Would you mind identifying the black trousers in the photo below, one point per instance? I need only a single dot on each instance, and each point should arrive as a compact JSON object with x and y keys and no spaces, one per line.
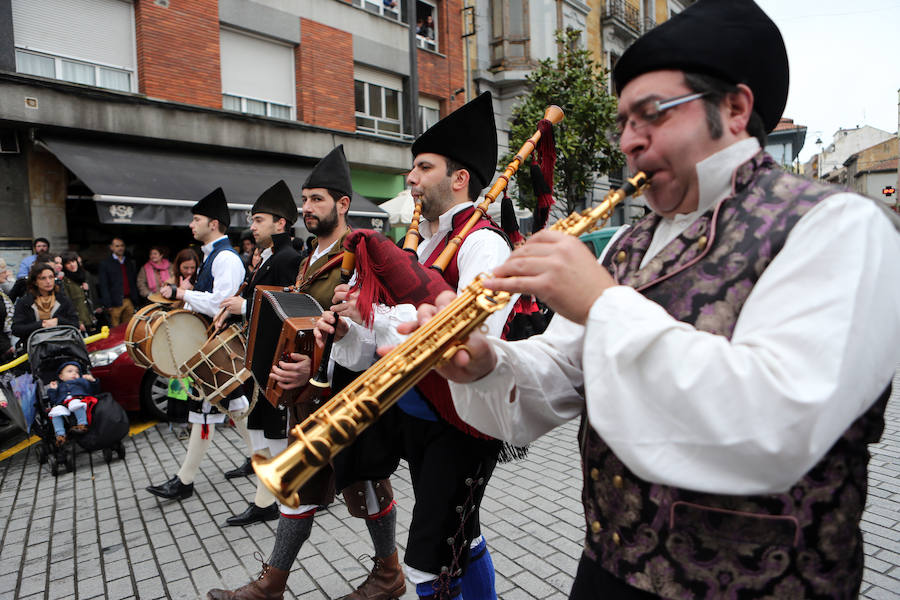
{"x":449,"y":472}
{"x":593,"y":582}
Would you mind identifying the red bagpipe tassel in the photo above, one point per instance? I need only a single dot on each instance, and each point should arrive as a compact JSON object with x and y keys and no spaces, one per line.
{"x":386,"y":274}
{"x":546,"y":151}
{"x":542,"y":167}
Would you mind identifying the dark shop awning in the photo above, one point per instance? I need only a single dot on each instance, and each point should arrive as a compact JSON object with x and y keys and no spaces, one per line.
{"x":153,"y":185}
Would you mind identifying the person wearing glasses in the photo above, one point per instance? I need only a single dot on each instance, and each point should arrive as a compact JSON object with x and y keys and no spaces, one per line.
{"x":730,"y":356}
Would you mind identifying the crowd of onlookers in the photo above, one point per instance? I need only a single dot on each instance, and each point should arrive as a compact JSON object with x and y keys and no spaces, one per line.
{"x":52,"y":288}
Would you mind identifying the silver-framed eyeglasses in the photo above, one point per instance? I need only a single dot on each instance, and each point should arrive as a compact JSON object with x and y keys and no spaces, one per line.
{"x":648,"y":113}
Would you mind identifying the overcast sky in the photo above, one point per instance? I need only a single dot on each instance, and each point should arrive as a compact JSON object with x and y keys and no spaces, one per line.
{"x":845,"y":64}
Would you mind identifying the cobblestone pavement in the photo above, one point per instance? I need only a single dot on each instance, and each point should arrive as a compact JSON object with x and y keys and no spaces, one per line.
{"x":96,"y":533}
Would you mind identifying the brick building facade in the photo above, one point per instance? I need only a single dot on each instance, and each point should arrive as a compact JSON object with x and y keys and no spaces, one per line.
{"x":192,"y":90}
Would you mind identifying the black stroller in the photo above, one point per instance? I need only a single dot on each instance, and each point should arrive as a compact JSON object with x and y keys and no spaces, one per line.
{"x":48,"y":349}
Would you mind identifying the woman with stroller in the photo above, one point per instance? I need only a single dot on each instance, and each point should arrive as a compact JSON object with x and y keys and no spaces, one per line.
{"x":68,"y":395}
{"x":41,"y":305}
{"x":76,"y":287}
{"x":155,"y":272}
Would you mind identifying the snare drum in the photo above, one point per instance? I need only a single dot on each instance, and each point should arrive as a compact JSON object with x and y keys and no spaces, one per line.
{"x":163,"y":340}
{"x":217,"y":369}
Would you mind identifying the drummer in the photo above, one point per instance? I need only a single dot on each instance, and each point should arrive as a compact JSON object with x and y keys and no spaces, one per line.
{"x":272,"y":217}
{"x":219,"y":278}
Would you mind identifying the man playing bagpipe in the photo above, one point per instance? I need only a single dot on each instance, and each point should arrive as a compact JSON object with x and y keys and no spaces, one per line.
{"x":272,"y":216}
{"x":450,"y":463}
{"x":730,"y":357}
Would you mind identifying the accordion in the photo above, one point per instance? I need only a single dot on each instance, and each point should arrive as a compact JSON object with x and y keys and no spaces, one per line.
{"x":281,"y":324}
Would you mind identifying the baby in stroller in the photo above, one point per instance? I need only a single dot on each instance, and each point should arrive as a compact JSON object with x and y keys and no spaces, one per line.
{"x":69,"y":395}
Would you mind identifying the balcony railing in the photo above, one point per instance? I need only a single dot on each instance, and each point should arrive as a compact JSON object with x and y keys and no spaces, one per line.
{"x":623,"y":13}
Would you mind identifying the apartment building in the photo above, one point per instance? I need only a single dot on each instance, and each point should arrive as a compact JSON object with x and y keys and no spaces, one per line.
{"x":505,"y":39}
{"x":116,"y":115}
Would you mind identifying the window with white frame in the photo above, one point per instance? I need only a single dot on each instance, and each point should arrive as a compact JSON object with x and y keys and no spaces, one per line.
{"x":429,"y":112}
{"x":379,"y":102}
{"x":426,"y":25}
{"x":90,"y":42}
{"x":257,"y":75}
{"x":392,"y":9}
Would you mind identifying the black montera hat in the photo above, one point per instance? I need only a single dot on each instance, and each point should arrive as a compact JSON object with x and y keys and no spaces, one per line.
{"x":277,"y":201}
{"x":332,"y":172}
{"x":214,"y":206}
{"x":468,"y":136}
{"x":733,"y":40}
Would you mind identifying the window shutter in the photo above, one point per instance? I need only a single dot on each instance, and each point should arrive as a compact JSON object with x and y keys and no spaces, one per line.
{"x":253,"y":67}
{"x":97,"y":31}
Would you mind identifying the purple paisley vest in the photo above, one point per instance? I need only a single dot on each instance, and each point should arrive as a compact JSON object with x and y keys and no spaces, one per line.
{"x":676,"y":543}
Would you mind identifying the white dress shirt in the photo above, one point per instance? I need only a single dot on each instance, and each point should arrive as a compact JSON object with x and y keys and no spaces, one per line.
{"x":813,"y":347}
{"x":228,"y":273}
{"x":480,"y":251}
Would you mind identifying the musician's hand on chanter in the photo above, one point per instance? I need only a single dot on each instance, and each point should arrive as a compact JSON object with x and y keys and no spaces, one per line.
{"x":325,"y":326}
{"x":345,"y":303}
{"x":557,"y":268}
{"x":292,"y":374}
{"x":474,"y":362}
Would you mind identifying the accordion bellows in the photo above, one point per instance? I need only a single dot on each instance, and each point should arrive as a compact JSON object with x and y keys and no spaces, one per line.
{"x":281,"y":324}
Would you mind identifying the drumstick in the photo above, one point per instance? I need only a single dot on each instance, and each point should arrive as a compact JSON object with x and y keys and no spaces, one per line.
{"x":218,"y":327}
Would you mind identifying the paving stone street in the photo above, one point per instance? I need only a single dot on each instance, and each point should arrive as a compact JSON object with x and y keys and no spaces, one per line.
{"x":96,"y":533}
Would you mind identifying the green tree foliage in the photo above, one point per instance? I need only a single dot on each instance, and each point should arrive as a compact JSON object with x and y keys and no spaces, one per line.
{"x":578,"y":85}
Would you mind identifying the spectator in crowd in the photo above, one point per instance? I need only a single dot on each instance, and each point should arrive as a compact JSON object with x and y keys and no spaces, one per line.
{"x":6,"y":277}
{"x":7,"y":340}
{"x":41,"y":305}
{"x":39,"y":245}
{"x":76,"y":287}
{"x":186,"y":264}
{"x":21,"y":284}
{"x":247,"y":248}
{"x":428,"y":29}
{"x":118,"y":285}
{"x":69,"y":394}
{"x":389,"y":4}
{"x":257,"y":258}
{"x":57,"y":265}
{"x":94,"y":295}
{"x":155,"y":272}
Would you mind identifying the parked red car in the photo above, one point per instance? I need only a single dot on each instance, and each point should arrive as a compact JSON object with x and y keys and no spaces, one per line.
{"x":134,"y":387}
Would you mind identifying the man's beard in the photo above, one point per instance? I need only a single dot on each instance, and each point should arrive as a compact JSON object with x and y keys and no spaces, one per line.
{"x":324,"y":226}
{"x":434,"y":202}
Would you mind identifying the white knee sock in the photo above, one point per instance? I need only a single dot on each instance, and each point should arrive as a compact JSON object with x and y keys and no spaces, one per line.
{"x":197,"y":447}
